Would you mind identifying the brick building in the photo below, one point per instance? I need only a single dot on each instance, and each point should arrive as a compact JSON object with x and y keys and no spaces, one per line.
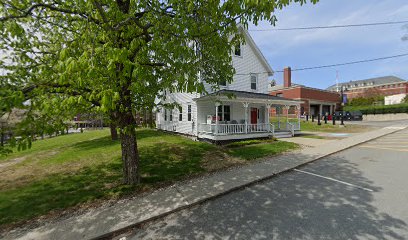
{"x":382,"y":86}
{"x":315,"y":101}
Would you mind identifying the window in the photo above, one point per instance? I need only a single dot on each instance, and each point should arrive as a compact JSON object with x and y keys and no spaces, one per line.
{"x":165,"y":114}
{"x":224,"y":113}
{"x":223,"y":83}
{"x":171,"y":115}
{"x":189,"y":113}
{"x":180,"y":113}
{"x":253,"y":82}
{"x":237,"y":50}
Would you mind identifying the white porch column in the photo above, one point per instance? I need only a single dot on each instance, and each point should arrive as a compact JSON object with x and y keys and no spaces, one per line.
{"x":217,"y":104}
{"x":278,"y":108}
{"x":321,"y":110}
{"x":267,"y":122}
{"x":246,"y":105}
{"x":298,"y":115}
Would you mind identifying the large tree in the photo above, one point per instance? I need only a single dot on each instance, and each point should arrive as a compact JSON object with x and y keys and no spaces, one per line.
{"x":118,"y":55}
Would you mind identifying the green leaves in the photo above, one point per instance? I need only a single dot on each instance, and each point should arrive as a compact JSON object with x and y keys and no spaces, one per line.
{"x":84,"y":56}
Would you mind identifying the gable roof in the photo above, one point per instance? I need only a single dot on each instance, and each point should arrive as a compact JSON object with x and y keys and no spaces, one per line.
{"x":257,"y":52}
{"x":375,"y":81}
{"x":245,"y":95}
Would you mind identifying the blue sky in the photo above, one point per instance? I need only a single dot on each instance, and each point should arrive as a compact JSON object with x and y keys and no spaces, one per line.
{"x":304,"y":48}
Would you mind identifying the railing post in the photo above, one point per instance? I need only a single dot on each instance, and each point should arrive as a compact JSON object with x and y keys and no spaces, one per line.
{"x":217,"y":104}
{"x":246,"y":105}
{"x":298,"y":109}
{"x":267,"y":121}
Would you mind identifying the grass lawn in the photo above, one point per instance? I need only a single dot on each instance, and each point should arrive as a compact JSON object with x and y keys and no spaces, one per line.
{"x":251,"y":151}
{"x":85,"y":168}
{"x":329,"y":127}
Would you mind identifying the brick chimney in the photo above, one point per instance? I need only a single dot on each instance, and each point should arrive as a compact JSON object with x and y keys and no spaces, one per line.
{"x":287,"y":77}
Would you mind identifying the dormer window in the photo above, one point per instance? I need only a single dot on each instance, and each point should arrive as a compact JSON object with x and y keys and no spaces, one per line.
{"x":254,"y":80}
{"x":237,"y":50}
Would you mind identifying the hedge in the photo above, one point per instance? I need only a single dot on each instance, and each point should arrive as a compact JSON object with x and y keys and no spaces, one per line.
{"x":397,"y":108}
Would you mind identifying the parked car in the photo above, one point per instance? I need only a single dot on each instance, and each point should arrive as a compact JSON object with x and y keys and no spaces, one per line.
{"x":349,"y":116}
{"x":356,"y":116}
{"x":346,"y":115}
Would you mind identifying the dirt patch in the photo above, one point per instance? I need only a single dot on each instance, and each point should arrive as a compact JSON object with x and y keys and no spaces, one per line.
{"x":215,"y":160}
{"x":12,"y":162}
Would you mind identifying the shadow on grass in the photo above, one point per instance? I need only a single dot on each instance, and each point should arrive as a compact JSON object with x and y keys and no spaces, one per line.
{"x":106,"y":141}
{"x":251,"y":152}
{"x":101,"y":142}
{"x":61,"y":191}
{"x":169,"y":162}
{"x":161,"y":163}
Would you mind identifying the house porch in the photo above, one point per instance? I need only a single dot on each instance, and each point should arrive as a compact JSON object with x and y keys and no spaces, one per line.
{"x":223,"y":118}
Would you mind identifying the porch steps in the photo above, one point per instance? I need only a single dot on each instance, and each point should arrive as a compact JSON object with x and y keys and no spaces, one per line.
{"x":283,"y":134}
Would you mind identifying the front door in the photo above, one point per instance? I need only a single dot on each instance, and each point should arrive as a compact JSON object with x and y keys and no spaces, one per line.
{"x":254,"y":115}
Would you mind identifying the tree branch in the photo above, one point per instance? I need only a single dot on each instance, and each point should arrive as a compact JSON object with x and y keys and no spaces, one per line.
{"x":30,"y":10}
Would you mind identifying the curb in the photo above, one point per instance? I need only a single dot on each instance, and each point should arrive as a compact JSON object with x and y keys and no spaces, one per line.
{"x":126,"y":229}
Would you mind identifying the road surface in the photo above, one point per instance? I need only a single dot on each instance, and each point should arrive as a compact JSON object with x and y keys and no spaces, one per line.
{"x":359,"y":193}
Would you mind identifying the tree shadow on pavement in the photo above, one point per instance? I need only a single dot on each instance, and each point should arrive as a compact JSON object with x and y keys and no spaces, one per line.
{"x":294,"y":205}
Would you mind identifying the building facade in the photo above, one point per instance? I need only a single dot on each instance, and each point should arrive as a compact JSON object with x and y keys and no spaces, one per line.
{"x":381,"y":86}
{"x":239,"y":110}
{"x":314,"y":101}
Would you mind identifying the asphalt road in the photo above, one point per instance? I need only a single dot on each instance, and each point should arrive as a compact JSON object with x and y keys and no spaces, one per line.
{"x":359,"y":193}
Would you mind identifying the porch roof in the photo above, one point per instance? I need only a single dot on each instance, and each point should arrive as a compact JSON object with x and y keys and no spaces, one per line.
{"x":232,"y":95}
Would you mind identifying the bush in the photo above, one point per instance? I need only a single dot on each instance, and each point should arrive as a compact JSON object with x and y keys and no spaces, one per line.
{"x":366,"y":101}
{"x":397,"y":108}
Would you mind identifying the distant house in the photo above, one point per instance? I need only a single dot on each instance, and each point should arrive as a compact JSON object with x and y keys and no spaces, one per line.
{"x":394,"y":99}
{"x":216,"y":116}
{"x":382,"y":86}
{"x":314,"y":101}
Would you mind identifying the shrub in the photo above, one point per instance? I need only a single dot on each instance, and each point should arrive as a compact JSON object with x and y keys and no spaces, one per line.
{"x":397,"y":108}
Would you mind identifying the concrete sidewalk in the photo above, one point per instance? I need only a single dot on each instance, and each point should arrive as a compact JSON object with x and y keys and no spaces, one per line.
{"x":97,"y":222}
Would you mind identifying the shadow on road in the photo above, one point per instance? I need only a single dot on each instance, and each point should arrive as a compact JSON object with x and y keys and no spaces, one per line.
{"x":291,"y":206}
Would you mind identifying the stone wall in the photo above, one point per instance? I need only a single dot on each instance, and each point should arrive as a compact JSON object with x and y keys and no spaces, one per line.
{"x":385,"y":117}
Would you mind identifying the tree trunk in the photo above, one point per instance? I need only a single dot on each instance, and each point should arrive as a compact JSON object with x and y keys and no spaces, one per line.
{"x":128,"y":143}
{"x":130,"y":156}
{"x":2,"y":139}
{"x":113,"y":131}
{"x":127,"y":126}
{"x":151,"y":118}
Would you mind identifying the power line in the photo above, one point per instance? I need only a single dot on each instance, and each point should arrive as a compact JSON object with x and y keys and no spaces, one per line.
{"x":332,"y":65}
{"x":332,"y":26}
{"x":348,"y":63}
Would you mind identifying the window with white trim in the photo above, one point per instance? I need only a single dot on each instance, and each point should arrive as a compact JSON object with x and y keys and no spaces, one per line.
{"x":171,"y":115}
{"x":165,"y":114}
{"x":254,"y":80}
{"x":237,"y":50}
{"x":180,"y":113}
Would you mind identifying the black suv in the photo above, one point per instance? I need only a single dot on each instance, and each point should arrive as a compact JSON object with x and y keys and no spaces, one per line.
{"x":350,"y":116}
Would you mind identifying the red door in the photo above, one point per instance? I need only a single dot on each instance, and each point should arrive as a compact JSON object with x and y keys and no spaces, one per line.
{"x":254,"y":115}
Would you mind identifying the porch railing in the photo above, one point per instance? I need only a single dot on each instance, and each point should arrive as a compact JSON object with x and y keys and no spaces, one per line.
{"x":228,"y":129}
{"x":291,"y":128}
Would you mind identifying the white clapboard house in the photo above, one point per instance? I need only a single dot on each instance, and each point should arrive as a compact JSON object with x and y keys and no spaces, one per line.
{"x":246,"y":115}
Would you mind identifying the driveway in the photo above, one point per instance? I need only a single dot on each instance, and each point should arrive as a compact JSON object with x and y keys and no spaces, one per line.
{"x":359,"y":193}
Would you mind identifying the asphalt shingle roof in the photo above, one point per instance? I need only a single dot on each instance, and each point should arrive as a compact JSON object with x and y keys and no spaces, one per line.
{"x":375,"y":81}
{"x":242,"y":94}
